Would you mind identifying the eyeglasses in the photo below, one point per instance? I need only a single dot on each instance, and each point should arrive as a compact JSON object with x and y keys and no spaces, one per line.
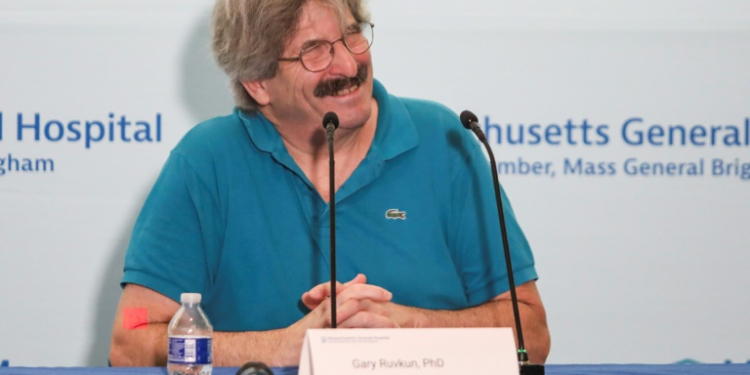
{"x":317,"y":55}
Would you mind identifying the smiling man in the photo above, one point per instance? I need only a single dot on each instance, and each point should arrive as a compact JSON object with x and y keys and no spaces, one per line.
{"x":240,"y":211}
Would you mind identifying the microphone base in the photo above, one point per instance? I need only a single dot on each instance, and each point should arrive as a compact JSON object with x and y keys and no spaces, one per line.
{"x":532,"y":369}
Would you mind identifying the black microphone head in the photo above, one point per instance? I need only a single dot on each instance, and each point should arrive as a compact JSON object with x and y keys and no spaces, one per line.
{"x":254,"y":368}
{"x":467,"y":117}
{"x":331,"y":118}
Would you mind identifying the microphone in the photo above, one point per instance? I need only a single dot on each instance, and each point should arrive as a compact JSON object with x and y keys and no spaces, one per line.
{"x":254,"y":368}
{"x":471,"y":122}
{"x":331,"y":123}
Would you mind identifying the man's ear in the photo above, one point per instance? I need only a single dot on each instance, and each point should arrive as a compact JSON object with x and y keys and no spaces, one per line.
{"x":257,"y":89}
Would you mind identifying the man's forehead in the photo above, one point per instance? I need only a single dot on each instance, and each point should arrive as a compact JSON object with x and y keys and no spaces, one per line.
{"x":314,"y":15}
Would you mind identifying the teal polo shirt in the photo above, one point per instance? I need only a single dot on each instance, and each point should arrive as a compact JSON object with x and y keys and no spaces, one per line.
{"x":234,"y":218}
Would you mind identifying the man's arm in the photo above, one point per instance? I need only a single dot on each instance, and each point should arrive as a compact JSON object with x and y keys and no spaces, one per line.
{"x":138,"y":342}
{"x":497,"y":312}
{"x":146,"y":344}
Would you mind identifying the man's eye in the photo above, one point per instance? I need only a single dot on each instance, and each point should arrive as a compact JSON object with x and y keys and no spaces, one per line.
{"x":311,"y":45}
{"x":317,"y":47}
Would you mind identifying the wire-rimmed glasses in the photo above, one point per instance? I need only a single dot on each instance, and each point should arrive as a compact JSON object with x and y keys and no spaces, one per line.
{"x":317,"y":55}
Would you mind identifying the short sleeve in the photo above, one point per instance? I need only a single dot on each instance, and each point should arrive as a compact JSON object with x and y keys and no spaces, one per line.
{"x":175,"y":233}
{"x":480,"y":247}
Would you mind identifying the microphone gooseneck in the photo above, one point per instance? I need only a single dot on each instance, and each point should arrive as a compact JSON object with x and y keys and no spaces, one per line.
{"x":330,"y":124}
{"x":471,"y":122}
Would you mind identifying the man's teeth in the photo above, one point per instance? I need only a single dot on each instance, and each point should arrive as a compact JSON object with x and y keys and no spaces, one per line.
{"x":346,"y":90}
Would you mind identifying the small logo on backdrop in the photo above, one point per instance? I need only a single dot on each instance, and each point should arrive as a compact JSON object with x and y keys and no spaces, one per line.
{"x":395,"y":214}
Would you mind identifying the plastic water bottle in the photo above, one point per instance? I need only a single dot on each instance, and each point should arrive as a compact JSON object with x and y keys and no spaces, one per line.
{"x":190,"y":335}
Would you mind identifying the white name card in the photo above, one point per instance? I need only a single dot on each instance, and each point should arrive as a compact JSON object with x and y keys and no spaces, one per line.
{"x":423,"y":351}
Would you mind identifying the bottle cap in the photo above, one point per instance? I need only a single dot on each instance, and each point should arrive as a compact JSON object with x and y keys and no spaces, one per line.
{"x":190,"y":297}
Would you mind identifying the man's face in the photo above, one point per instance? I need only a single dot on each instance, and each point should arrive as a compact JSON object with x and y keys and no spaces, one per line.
{"x":298,"y":97}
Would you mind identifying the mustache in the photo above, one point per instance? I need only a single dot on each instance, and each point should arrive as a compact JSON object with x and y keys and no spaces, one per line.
{"x":332,"y":86}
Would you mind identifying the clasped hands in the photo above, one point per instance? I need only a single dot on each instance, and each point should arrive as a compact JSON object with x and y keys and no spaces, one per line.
{"x":358,"y":305}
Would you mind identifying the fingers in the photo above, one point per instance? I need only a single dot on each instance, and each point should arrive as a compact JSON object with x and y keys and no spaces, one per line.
{"x":348,"y":308}
{"x":364,"y":291}
{"x":364,"y":314}
{"x":362,"y":305}
{"x":359,"y":279}
{"x":320,"y":292}
{"x":365,"y":319}
{"x":354,"y":292}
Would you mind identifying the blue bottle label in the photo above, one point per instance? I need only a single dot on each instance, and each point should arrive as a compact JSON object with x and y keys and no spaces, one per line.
{"x":190,"y":350}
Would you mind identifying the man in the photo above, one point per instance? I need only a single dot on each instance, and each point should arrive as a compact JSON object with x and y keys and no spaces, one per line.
{"x":240,"y":210}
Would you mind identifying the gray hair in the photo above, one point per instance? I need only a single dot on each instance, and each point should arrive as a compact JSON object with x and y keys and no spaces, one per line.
{"x":250,"y":35}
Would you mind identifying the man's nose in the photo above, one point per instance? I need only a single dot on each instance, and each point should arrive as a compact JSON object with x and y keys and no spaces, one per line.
{"x":343,"y":61}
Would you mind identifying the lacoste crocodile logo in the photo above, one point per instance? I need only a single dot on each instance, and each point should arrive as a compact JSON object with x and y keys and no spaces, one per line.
{"x":395,"y":214}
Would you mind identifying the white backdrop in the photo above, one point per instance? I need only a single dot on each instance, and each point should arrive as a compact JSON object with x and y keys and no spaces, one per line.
{"x":634,"y":268}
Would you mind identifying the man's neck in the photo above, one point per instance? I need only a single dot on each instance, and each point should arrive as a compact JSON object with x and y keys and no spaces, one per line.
{"x":308,"y":146}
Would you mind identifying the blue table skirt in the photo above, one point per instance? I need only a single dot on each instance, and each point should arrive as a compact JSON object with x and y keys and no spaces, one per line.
{"x":719,"y":369}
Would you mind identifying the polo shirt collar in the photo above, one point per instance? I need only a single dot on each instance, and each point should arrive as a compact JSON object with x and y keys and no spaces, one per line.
{"x":261,"y":131}
{"x":395,"y":134}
